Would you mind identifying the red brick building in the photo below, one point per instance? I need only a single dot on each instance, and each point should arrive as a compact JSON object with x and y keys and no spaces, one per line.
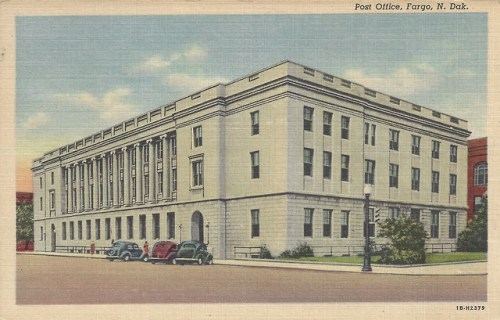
{"x":24,"y":196}
{"x":477,"y":174}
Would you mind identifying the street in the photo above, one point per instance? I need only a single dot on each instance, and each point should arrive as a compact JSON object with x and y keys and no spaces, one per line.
{"x":68,"y":280}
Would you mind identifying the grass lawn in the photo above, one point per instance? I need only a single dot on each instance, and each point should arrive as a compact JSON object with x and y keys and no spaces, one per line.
{"x":431,"y":258}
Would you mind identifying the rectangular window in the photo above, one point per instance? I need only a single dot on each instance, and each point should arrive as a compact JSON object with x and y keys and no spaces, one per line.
{"x":453,"y":184}
{"x":434,"y":224}
{"x":369,"y":172}
{"x":308,"y":118}
{"x":254,"y":158}
{"x":159,"y":179}
{"x":89,"y":229}
{"x":327,"y":165}
{"x":393,"y":175}
{"x":415,"y":145}
{"x":132,"y":156}
{"x":197,"y":173}
{"x":394,"y":213}
{"x":159,"y":150}
{"x":146,"y":185}
{"x":344,"y":224}
{"x":327,"y":223}
{"x":415,"y":179}
{"x":255,"y":223}
{"x":478,"y":203}
{"x":344,"y":170}
{"x":452,"y":230}
{"x":173,"y":144}
{"x":145,"y":152}
{"x":52,"y":178}
{"x":254,"y":118}
{"x":327,"y":123}
{"x":198,"y":137}
{"x":171,"y":225}
{"x":174,"y":179}
{"x":435,"y":182}
{"x":435,"y":149}
{"x":41,"y":203}
{"x":453,"y":153}
{"x":142,"y":226}
{"x":40,"y":182}
{"x":71,"y":230}
{"x":393,"y":139}
{"x":156,"y":226}
{"x":370,"y":134}
{"x":64,"y":230}
{"x":415,"y":214}
{"x":107,"y":228}
{"x":308,"y":162}
{"x":98,"y":229}
{"x":80,"y":230}
{"x":344,"y":127}
{"x":118,"y":227}
{"x":52,"y":200}
{"x":41,"y":233}
{"x":308,"y":222}
{"x":371,"y":223}
{"x":134,"y":187}
{"x":130,"y":227}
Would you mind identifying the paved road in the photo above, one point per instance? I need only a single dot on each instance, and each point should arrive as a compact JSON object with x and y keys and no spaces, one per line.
{"x":65,"y":280}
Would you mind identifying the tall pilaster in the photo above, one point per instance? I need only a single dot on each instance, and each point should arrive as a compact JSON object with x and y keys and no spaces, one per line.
{"x":105,"y":181}
{"x":77,"y":187}
{"x":95,"y":178}
{"x":126,"y":177}
{"x":116,"y":179}
{"x":165,"y":167}
{"x":151,"y":171}
{"x":86,"y":183}
{"x":70,"y":188}
{"x":138,"y":174}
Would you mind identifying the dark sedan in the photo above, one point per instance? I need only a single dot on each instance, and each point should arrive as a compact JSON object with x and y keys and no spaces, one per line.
{"x":193,"y":251}
{"x":126,"y":251}
{"x":163,"y":251}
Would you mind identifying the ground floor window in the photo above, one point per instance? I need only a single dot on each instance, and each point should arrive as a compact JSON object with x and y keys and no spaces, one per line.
{"x":71,"y":230}
{"x":118,"y":226}
{"x":344,"y":224}
{"x":255,"y":223}
{"x":371,"y":223}
{"x":156,"y":226}
{"x":171,"y":225}
{"x":142,"y":226}
{"x":434,"y":224}
{"x":107,"y":226}
{"x":64,"y":230}
{"x":308,"y":222}
{"x":80,"y":230}
{"x":98,"y":229}
{"x":130,"y":227}
{"x":415,"y":214}
{"x":89,"y":229}
{"x":327,"y":223}
{"x":452,"y":232}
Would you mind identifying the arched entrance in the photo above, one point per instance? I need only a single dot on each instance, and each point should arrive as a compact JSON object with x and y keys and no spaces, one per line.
{"x":197,"y":226}
{"x":53,"y":238}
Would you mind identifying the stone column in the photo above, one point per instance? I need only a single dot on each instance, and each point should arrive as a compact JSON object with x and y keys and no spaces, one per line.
{"x":126,"y":177}
{"x":139,"y":192}
{"x":77,"y":187}
{"x":116,"y":179}
{"x":105,"y":181}
{"x":70,"y":190}
{"x":165,"y":167}
{"x":152,"y":171}
{"x":95,"y":179}
{"x":85,"y":185}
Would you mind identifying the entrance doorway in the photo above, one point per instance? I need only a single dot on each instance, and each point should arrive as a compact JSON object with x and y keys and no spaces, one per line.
{"x":197,"y":226}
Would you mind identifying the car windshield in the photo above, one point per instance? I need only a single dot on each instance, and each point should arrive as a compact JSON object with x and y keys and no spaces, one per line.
{"x":189,"y":246}
{"x":117,"y":244}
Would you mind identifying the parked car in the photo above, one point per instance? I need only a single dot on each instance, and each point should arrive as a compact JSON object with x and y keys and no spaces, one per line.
{"x":193,"y":251}
{"x":126,"y":251}
{"x":163,"y":251}
{"x":24,"y":245}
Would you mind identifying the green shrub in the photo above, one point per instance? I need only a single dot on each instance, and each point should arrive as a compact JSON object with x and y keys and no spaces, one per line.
{"x":302,"y":250}
{"x":475,"y":236}
{"x":265,"y":253}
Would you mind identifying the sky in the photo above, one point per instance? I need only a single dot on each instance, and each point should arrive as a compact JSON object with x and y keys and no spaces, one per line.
{"x":78,"y":75}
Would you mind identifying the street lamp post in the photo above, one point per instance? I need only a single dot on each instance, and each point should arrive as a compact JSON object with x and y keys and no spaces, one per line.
{"x":208,"y":232}
{"x":180,"y":232}
{"x":367,"y":256}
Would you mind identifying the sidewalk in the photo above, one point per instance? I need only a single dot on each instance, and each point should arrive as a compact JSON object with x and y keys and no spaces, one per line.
{"x":457,"y":268}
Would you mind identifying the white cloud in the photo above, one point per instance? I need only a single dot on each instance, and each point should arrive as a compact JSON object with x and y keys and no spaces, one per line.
{"x":37,"y":120}
{"x":188,"y":83}
{"x":196,"y":54}
{"x":159,"y":63}
{"x":153,"y":64}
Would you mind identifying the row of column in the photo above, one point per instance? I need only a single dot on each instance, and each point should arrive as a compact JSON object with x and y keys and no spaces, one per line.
{"x":107,"y":180}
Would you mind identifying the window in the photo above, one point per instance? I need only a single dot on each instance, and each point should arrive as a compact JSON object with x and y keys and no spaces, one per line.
{"x":142,"y":226}
{"x":453,"y":153}
{"x":90,"y":170}
{"x":344,"y":224}
{"x":394,"y":213}
{"x":197,"y":173}
{"x":40,"y":182}
{"x":370,"y":135}
{"x":89,"y":229}
{"x":118,"y":227}
{"x":145,"y":151}
{"x":481,"y":174}
{"x":393,"y":175}
{"x":107,"y":228}
{"x":198,"y":137}
{"x":308,"y":222}
{"x":130,"y":227}
{"x":41,"y":233}
{"x":254,"y":118}
{"x":453,"y":184}
{"x":435,"y":182}
{"x":146,"y":185}
{"x":132,"y":156}
{"x":159,"y":150}
{"x":174,"y":179}
{"x":80,"y":227}
{"x":171,"y":225}
{"x":415,"y":179}
{"x":255,"y":223}
{"x":41,"y":203}
{"x":371,"y":223}
{"x":254,"y":158}
{"x":344,"y":171}
{"x":369,"y":172}
{"x":327,"y":123}
{"x":434,"y":224}
{"x":52,"y":200}
{"x":415,"y":145}
{"x":478,"y":203}
{"x":308,"y":118}
{"x":134,"y":187}
{"x":173,"y":144}
{"x":344,"y":127}
{"x":393,"y":139}
{"x":159,"y":179}
{"x":415,"y":214}
{"x":452,"y":229}
{"x":435,"y":149}
{"x":71,"y":230}
{"x":327,"y":223}
{"x":98,"y":229}
{"x":52,"y":178}
{"x":308,"y":162}
{"x":327,"y":165}
{"x":156,"y":226}
{"x":64,"y":230}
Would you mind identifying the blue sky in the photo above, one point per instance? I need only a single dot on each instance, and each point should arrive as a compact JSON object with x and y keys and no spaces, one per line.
{"x":78,"y":75}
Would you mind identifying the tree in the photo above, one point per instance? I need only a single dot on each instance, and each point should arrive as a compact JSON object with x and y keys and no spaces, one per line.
{"x":475,"y":236}
{"x":407,"y":241}
{"x":24,"y":221}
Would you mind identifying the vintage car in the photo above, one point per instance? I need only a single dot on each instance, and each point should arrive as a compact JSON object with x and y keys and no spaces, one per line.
{"x":193,"y":251}
{"x":24,"y":245}
{"x":163,"y":251}
{"x":126,"y":251}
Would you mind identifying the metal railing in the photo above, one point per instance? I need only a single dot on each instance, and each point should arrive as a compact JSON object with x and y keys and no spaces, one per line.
{"x":441,"y":247}
{"x":81,"y":249}
{"x":247,"y":252}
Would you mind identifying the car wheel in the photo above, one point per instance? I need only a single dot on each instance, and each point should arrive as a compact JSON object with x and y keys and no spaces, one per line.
{"x":200,"y":261}
{"x":210,"y":262}
{"x":126,"y":257}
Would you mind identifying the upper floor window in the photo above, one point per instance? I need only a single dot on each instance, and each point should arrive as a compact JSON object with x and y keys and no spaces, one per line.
{"x":308,"y":222}
{"x":415,"y":145}
{"x":481,"y":174}
{"x":308,"y":118}
{"x":453,"y":153}
{"x":145,"y":151}
{"x":197,"y":167}
{"x":393,"y":175}
{"x":41,"y":183}
{"x":327,"y":223}
{"x":453,"y":184}
{"x":345,"y":127}
{"x":434,"y":224}
{"x":255,"y":164}
{"x":254,"y":118}
{"x":344,"y":224}
{"x":159,"y":150}
{"x":393,"y":139}
{"x":435,"y":149}
{"x":344,"y":170}
{"x":435,"y":182}
{"x":197,"y":135}
{"x":415,"y":179}
{"x":327,"y":165}
{"x":369,"y":171}
{"x":52,"y":178}
{"x":308,"y":162}
{"x":370,"y":134}
{"x":327,"y":123}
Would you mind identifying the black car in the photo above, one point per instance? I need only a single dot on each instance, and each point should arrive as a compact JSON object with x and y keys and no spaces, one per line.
{"x":193,"y":251}
{"x":126,"y":251}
